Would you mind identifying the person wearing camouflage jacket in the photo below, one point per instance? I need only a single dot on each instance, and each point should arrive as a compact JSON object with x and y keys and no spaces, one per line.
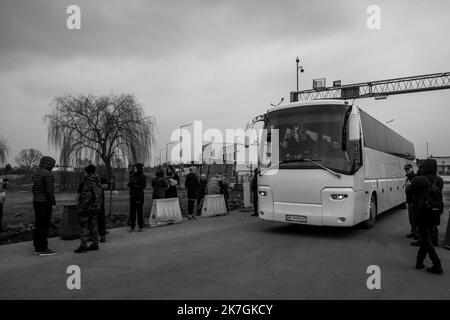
{"x":89,"y":203}
{"x":43,"y":202}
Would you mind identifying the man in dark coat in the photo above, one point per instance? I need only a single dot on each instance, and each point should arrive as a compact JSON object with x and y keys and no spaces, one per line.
{"x":192,"y":186}
{"x":409,"y":201}
{"x":159,"y":184}
{"x":425,"y":221}
{"x":173,"y":180}
{"x":137,"y":185}
{"x":43,"y":201}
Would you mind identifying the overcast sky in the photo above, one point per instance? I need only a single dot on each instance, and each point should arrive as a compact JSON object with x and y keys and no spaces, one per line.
{"x":222,"y":62}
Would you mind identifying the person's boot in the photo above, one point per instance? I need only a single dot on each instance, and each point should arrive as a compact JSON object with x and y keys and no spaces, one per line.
{"x":92,"y":247}
{"x":420,"y":265}
{"x":436,"y":269}
{"x":81,"y":249}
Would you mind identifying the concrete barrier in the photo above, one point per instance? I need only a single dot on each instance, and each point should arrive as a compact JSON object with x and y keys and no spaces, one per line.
{"x":214,"y":205}
{"x":165,"y":211}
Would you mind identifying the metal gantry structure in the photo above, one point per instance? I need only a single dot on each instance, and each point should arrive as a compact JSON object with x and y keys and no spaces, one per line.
{"x":377,"y":89}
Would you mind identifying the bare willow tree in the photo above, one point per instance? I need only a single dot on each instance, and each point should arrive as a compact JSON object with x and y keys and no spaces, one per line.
{"x":101,"y":128}
{"x":3,"y":150}
{"x":28,"y":158}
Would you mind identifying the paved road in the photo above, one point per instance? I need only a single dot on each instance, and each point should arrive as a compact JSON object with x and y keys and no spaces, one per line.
{"x":231,"y":257}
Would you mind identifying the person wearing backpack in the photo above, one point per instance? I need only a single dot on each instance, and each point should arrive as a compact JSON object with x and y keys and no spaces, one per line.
{"x":426,"y":189}
{"x":89,"y":203}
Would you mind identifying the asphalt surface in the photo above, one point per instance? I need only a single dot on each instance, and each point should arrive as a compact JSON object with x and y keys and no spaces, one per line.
{"x":232,"y":257}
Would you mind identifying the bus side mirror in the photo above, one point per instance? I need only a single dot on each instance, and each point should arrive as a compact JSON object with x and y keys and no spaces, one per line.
{"x":354,"y":129}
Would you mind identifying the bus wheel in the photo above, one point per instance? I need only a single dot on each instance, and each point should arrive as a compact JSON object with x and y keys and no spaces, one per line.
{"x":372,"y":212}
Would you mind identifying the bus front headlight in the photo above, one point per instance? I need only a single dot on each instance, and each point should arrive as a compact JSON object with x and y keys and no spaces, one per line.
{"x":339,"y":196}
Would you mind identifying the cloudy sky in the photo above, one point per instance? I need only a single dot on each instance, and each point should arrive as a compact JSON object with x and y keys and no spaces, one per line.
{"x":222,"y":62}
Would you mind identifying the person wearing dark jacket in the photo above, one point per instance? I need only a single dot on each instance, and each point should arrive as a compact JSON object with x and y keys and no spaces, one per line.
{"x":192,"y":186}
{"x":173,"y":180}
{"x":201,"y":192}
{"x":43,"y":201}
{"x":137,"y":185}
{"x":425,"y":222}
{"x":409,"y":201}
{"x":159,"y":185}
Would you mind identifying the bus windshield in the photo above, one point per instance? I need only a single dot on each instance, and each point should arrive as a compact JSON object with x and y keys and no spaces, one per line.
{"x":312,"y":133}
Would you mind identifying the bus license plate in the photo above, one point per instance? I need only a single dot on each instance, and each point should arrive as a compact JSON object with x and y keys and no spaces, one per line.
{"x":295,"y":218}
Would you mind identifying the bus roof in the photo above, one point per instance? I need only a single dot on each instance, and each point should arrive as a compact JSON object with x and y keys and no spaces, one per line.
{"x":308,"y":103}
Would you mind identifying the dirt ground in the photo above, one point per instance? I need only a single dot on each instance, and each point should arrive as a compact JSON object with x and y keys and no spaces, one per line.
{"x":18,"y":212}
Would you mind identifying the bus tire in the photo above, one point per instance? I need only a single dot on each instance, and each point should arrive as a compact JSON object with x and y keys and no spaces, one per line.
{"x":369,"y":223}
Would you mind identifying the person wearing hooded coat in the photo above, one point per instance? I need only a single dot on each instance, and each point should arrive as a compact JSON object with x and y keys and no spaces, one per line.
{"x":426,"y":224}
{"x":137,"y":185}
{"x":192,"y":186}
{"x":43,"y":201}
{"x":173,"y":180}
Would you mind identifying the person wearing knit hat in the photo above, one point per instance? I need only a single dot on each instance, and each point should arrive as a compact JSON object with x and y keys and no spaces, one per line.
{"x":43,"y":202}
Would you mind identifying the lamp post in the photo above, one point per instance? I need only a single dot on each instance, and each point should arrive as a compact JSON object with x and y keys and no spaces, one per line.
{"x":297,"y":60}
{"x":181,"y":139}
{"x":167,"y":149}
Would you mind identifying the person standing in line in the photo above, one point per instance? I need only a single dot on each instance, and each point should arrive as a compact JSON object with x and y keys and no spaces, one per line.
{"x":43,"y":191}
{"x":409,"y":201}
{"x":192,"y":185}
{"x":89,"y":205}
{"x":159,"y":184}
{"x":255,"y":193}
{"x":201,"y":193}
{"x":137,"y":185}
{"x":173,"y":180}
{"x":426,"y":184}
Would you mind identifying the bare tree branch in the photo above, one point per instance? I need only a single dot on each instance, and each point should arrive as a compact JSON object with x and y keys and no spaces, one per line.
{"x":105,"y":126}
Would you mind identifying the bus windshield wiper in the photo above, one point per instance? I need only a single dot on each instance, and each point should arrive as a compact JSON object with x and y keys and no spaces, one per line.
{"x":321,"y":166}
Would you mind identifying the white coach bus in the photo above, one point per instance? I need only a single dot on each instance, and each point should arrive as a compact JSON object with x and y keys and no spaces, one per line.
{"x":329,"y":163}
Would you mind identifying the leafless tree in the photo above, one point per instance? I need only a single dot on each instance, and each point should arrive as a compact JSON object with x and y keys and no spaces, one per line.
{"x":101,"y":128}
{"x":3,"y":150}
{"x":28,"y":158}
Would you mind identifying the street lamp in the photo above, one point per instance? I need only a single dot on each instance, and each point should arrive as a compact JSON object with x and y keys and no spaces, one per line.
{"x":299,"y":68}
{"x":167,"y":149}
{"x":181,"y":138}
